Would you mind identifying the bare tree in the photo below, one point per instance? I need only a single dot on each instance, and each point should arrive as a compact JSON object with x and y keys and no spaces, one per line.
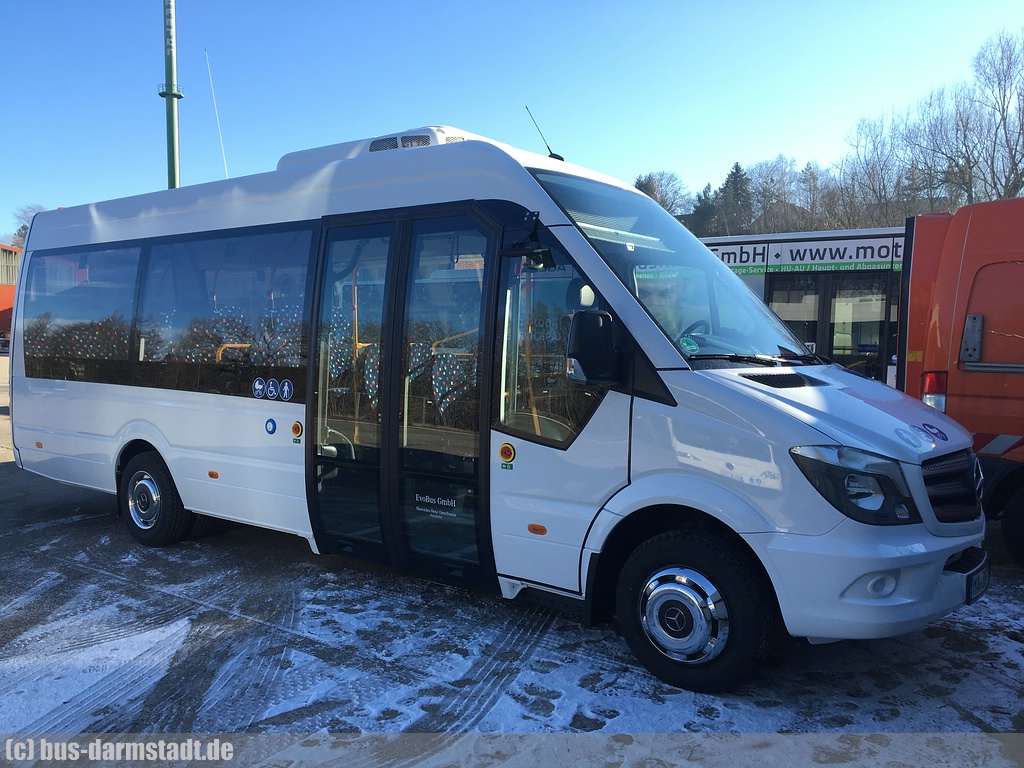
{"x":876,"y":172}
{"x":943,"y":145}
{"x":999,"y":90}
{"x":817,"y":193}
{"x":965,"y":143}
{"x":774,"y":191}
{"x":24,"y":216}
{"x":667,"y":190}
{"x":960,"y":144}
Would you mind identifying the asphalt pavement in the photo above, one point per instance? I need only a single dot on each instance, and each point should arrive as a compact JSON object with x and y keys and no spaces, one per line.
{"x":247,"y":635}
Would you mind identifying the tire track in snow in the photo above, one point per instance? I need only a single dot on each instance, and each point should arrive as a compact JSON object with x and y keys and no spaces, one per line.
{"x":461,"y":707}
{"x":101,"y":705}
{"x":31,"y":608}
{"x":222,"y":635}
{"x":249,"y":669}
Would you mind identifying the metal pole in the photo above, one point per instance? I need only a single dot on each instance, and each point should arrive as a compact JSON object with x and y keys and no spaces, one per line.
{"x":171,"y":93}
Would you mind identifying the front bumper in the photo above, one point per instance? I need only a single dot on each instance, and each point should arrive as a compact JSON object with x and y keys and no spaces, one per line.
{"x":863,"y":582}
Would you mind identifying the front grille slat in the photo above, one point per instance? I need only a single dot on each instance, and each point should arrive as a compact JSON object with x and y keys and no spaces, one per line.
{"x":950,"y":481}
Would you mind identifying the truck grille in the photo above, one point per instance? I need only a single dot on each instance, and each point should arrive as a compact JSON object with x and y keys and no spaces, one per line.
{"x":952,"y":487}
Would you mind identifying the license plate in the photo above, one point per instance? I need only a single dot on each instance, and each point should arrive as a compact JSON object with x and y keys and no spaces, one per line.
{"x":977,"y":580}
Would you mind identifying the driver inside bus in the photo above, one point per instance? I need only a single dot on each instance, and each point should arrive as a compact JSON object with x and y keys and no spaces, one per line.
{"x":669,"y":295}
{"x":661,"y":297}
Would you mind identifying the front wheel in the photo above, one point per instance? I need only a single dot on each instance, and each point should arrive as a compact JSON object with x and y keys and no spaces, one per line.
{"x":150,"y":504}
{"x":693,"y":611}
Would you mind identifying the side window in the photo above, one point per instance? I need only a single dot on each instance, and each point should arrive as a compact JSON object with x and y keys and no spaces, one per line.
{"x":439,"y":389}
{"x":795,"y":297}
{"x":352,"y":317}
{"x":78,"y":309}
{"x":225,"y":301}
{"x":441,"y":338}
{"x":536,"y":399}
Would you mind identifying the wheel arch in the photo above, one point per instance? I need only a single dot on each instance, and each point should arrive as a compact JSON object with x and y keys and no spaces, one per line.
{"x":129,"y":451}
{"x":1002,"y":489}
{"x":634,"y":529}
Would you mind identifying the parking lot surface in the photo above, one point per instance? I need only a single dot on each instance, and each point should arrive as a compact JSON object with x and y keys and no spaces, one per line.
{"x":245,"y":631}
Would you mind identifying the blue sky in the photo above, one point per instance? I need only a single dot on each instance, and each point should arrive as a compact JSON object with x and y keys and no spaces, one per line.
{"x":625,"y":88}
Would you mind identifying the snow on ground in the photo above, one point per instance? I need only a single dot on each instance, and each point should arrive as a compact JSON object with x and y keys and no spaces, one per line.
{"x":246,"y":631}
{"x":274,"y":638}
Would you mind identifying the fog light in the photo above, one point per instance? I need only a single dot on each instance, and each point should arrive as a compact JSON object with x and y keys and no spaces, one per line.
{"x":882,"y":585}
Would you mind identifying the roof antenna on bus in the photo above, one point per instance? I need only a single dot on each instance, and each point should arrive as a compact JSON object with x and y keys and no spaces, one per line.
{"x":216,"y":114}
{"x":550,"y":153}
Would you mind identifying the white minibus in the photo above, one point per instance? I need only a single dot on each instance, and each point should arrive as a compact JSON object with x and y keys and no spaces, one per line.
{"x":483,"y":365}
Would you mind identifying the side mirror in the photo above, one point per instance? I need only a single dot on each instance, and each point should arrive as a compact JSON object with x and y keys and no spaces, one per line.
{"x":534,"y":258}
{"x":593,"y":356}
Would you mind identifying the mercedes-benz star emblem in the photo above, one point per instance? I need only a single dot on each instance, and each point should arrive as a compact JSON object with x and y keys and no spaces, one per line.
{"x":675,"y":619}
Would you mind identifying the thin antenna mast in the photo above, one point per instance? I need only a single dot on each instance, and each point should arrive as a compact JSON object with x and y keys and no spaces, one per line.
{"x":550,"y":153}
{"x":216,"y":114}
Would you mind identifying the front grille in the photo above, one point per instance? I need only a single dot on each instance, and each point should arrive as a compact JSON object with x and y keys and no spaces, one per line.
{"x":950,"y":481}
{"x":966,"y":561}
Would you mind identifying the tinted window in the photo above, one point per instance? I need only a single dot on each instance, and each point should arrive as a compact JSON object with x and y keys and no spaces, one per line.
{"x":350,"y":347}
{"x":439,"y":410}
{"x":232,"y":304}
{"x":536,"y":398}
{"x":77,"y":315}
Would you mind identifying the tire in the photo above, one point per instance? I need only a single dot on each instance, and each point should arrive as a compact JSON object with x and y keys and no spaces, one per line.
{"x":150,"y":503}
{"x":1013,"y":526}
{"x":693,"y":611}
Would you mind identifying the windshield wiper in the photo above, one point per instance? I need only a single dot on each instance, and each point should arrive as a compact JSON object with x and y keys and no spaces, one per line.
{"x":808,"y":357}
{"x":735,"y":357}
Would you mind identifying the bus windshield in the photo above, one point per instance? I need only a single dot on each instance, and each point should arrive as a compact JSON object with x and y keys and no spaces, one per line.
{"x":712,"y":317}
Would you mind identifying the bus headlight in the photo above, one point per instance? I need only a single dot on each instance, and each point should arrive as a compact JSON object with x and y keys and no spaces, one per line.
{"x":863,"y":486}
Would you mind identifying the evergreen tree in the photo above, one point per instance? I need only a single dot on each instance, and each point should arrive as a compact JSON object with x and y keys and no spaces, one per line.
{"x":734,"y":203}
{"x":702,"y":221}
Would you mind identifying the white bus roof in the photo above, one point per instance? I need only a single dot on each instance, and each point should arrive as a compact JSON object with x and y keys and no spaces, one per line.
{"x":421,"y":166}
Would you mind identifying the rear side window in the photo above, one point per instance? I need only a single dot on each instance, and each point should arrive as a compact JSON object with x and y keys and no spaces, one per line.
{"x":224,"y":311}
{"x":77,"y":314}
{"x":228,"y":298}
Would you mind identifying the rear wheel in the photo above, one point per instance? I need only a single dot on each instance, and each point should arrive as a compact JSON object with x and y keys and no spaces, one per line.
{"x":150,"y":503}
{"x":693,"y":611}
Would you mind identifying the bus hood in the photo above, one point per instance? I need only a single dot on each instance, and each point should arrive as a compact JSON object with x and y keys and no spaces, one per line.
{"x":851,"y":410}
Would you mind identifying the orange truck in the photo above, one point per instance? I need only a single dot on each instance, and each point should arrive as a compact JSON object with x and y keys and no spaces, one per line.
{"x":6,"y":305}
{"x":961,"y":339}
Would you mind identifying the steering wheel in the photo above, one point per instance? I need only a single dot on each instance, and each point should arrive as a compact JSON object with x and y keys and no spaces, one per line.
{"x":694,"y":326}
